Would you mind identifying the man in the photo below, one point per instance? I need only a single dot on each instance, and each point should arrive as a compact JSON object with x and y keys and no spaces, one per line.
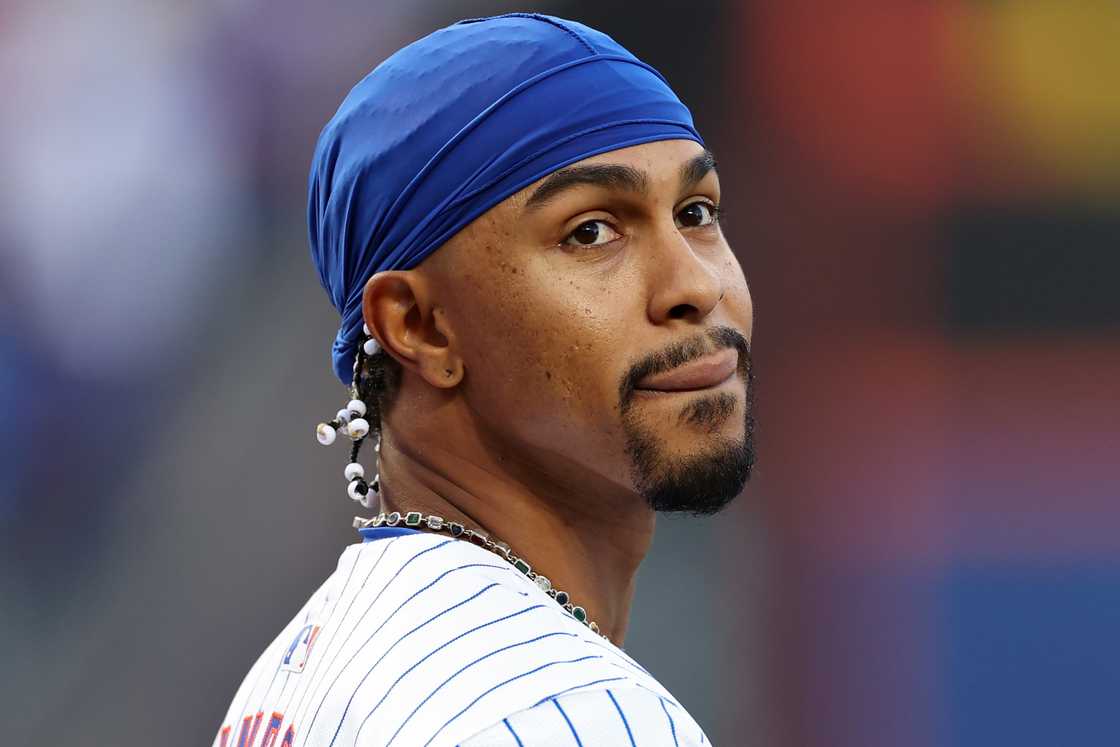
{"x":547,"y":338}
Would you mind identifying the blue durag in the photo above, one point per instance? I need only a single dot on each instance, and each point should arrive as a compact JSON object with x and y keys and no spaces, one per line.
{"x":453,"y":124}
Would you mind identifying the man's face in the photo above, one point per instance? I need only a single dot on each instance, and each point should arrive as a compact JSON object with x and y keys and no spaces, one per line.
{"x":604,"y":326}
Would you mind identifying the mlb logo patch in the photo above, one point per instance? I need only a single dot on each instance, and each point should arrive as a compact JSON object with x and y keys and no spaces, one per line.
{"x":295,"y":659}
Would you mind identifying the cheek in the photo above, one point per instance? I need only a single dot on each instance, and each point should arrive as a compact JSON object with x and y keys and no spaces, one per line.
{"x":737,"y":298}
{"x":545,"y":349}
{"x":579,"y":348}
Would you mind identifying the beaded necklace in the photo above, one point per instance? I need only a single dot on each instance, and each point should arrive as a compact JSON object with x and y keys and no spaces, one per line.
{"x":417,"y":520}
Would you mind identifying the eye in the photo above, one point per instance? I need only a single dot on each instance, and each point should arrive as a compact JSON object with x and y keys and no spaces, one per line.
{"x":592,"y":233}
{"x":697,"y":214}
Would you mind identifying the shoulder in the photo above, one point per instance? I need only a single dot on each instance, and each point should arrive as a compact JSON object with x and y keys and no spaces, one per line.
{"x":422,"y":639}
{"x":625,"y":715}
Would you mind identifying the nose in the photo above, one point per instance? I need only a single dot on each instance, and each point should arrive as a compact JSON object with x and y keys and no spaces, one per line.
{"x":685,"y":284}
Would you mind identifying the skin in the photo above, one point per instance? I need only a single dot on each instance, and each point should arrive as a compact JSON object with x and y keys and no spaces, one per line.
{"x":513,"y":339}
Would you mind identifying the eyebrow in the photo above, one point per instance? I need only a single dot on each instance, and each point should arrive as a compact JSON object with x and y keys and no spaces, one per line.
{"x":614,"y":176}
{"x":696,"y":169}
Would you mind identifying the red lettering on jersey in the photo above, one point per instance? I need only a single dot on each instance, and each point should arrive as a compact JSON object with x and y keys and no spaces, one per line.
{"x":289,"y":736}
{"x":248,"y":735}
{"x":273,"y":730}
{"x":223,"y":736}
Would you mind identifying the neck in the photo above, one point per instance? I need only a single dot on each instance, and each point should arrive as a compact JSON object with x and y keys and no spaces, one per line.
{"x":588,"y":541}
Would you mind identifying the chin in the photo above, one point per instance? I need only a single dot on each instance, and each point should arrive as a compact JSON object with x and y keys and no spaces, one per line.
{"x":701,"y":479}
{"x":702,"y":484}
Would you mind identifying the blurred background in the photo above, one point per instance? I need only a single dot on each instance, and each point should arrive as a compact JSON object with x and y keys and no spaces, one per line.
{"x":924,"y":197}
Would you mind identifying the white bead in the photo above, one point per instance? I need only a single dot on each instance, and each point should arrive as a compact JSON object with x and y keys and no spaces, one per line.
{"x":325,"y":434}
{"x":370,"y":346}
{"x":344,"y":429}
{"x":352,"y":490}
{"x":354,"y":471}
{"x":343,"y":416}
{"x":358,"y":428}
{"x":357,"y":406}
{"x":365,"y":328}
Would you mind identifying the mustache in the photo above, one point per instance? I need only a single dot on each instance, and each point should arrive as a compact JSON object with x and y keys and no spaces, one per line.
{"x":677,"y":354}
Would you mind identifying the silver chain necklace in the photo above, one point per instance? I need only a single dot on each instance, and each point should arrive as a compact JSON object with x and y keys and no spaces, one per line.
{"x":417,"y":520}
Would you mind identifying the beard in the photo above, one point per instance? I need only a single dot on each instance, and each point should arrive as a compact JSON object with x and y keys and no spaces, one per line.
{"x":704,"y":483}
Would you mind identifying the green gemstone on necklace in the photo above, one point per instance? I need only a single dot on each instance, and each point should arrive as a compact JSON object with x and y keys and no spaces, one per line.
{"x":412,"y":519}
{"x":580,"y":614}
{"x":522,"y":566}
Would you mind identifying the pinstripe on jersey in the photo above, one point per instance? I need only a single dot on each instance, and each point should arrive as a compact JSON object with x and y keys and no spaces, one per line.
{"x":417,"y":639}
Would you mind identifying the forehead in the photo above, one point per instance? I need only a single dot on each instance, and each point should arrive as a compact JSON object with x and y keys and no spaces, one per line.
{"x":668,"y":154}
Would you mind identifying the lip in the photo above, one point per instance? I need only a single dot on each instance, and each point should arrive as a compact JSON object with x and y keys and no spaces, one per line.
{"x":702,"y":373}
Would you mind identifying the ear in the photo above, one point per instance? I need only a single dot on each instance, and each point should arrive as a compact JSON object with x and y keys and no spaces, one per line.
{"x":398,"y":307}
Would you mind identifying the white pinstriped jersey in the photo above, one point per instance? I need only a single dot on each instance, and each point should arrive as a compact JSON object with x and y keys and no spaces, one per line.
{"x":418,"y":639}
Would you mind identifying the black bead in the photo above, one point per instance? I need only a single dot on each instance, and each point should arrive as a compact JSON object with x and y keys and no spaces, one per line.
{"x":456,"y":529}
